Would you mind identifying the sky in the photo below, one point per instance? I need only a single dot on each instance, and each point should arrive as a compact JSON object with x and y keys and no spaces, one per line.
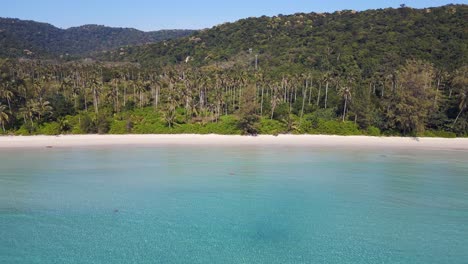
{"x":150,"y":15}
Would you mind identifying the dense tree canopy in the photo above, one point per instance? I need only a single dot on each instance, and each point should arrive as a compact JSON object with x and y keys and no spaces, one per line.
{"x":365,"y":43}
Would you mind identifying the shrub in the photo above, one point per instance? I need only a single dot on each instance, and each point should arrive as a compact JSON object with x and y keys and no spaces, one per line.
{"x":52,"y":128}
{"x":373,"y":131}
{"x":86,"y":124}
{"x":118,"y":127}
{"x":346,"y":128}
{"x":102,"y":124}
{"x":281,"y":111}
{"x":271,"y":127}
{"x":325,"y":114}
{"x":249,"y":124}
{"x":227,"y":125}
{"x":24,"y":130}
{"x":441,"y":134}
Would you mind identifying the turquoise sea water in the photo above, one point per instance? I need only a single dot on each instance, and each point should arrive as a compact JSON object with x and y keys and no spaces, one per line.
{"x":233,"y":205}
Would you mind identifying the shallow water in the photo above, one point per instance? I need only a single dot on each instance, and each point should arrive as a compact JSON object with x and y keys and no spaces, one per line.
{"x":233,"y":205}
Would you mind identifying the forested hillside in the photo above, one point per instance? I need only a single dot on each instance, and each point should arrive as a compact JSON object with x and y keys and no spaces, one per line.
{"x":30,"y":39}
{"x":369,"y":41}
{"x":392,"y":71}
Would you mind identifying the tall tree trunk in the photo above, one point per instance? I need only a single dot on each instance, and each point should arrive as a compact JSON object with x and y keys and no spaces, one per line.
{"x":125,"y":96}
{"x":295,"y":93}
{"x":117,"y":100}
{"x":326,"y":94}
{"x":272,"y":111}
{"x":456,"y":119}
{"x":141,"y":99}
{"x":157,"y":97}
{"x":383,"y":89}
{"x":202,"y":101}
{"x":85,"y":102}
{"x":261,"y":102}
{"x":318,"y":96}
{"x":344,"y":108}
{"x":437,"y":92}
{"x":95,"y":101}
{"x":9,"y":104}
{"x":304,"y":94}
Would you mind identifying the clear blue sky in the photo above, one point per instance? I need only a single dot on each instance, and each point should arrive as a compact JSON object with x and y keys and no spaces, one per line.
{"x":191,"y":14}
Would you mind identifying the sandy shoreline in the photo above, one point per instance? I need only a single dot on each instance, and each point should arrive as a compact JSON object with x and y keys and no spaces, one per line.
{"x":223,"y":140}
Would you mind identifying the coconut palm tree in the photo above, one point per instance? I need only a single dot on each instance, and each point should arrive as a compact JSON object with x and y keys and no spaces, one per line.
{"x":28,"y":111}
{"x":4,"y":116}
{"x":42,"y":108}
{"x":460,"y":81}
{"x":7,"y":94}
{"x":346,"y":94}
{"x":462,"y":105}
{"x":326,"y":79}
{"x":274,"y":99}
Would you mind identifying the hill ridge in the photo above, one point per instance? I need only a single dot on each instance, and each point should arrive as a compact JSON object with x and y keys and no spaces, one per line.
{"x":19,"y":38}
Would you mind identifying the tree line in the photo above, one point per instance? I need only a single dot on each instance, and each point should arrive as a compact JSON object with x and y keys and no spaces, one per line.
{"x":415,"y":98}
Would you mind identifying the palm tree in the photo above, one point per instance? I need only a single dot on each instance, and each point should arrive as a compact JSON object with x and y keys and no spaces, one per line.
{"x":346,"y":93}
{"x":96,"y":88}
{"x":4,"y":116}
{"x":326,"y":79}
{"x":460,"y":82}
{"x":28,"y":111}
{"x":141,"y":88}
{"x":42,"y":108}
{"x":274,"y":99}
{"x":7,"y":94}
{"x":462,"y":105}
{"x":171,"y":105}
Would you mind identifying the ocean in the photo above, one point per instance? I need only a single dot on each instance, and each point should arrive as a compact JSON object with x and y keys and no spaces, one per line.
{"x":250,"y":204}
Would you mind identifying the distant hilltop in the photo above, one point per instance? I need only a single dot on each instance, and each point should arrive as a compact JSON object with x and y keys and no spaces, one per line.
{"x":41,"y":40}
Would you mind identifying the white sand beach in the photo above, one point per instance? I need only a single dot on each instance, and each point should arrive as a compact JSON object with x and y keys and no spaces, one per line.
{"x":225,"y":140}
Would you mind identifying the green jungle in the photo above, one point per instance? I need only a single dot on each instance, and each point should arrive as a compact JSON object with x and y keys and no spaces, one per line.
{"x":386,"y":72}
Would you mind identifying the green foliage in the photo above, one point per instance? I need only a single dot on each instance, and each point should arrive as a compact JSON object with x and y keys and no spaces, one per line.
{"x":373,"y":131}
{"x":61,"y":106}
{"x":336,"y":128}
{"x":248,"y":118}
{"x":102,"y":124}
{"x":440,"y":134}
{"x":87,"y":125}
{"x":227,"y":125}
{"x":249,"y":124}
{"x":324,"y":114}
{"x":25,"y":130}
{"x":52,"y":128}
{"x":271,"y":127}
{"x":409,"y":108}
{"x":118,"y":127}
{"x":281,"y":112}
{"x":290,"y":44}
{"x":74,"y":123}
